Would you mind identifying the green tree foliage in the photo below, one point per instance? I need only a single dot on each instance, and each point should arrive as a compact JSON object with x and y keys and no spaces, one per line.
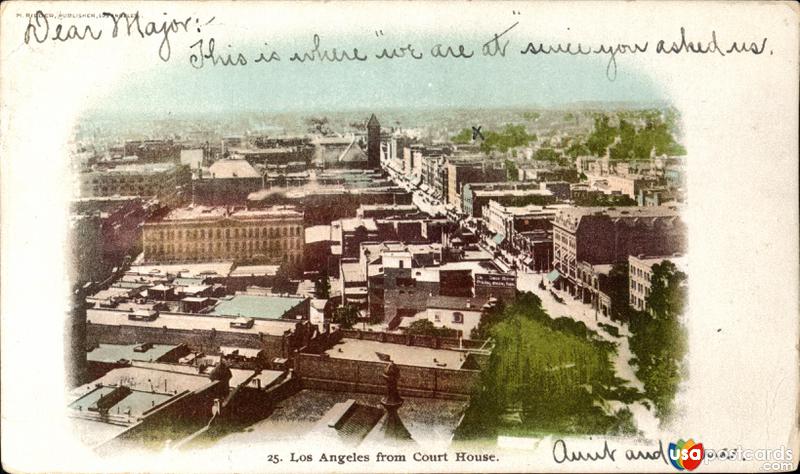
{"x":511,"y":136}
{"x":658,"y":338}
{"x":630,"y":142}
{"x":424,"y":327}
{"x":577,"y":149}
{"x":463,"y":137}
{"x":619,"y":292}
{"x":602,"y":136}
{"x":345,"y":316}
{"x":552,"y":375}
{"x":531,"y":116}
{"x":546,"y":154}
{"x":512,"y":170}
{"x":281,"y":282}
{"x":322,"y":287}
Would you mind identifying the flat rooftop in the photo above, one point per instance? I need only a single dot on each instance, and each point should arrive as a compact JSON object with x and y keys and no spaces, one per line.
{"x":184,"y":270}
{"x":256,"y":306}
{"x":357,"y":349}
{"x":194,"y":213}
{"x":272,"y":327}
{"x":318,"y":233}
{"x":147,"y":379}
{"x":134,"y":404}
{"x":138,"y":168}
{"x":117,"y":352}
{"x":255,"y":270}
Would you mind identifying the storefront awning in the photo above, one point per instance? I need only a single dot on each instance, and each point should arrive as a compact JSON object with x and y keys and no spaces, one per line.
{"x":553,"y":276}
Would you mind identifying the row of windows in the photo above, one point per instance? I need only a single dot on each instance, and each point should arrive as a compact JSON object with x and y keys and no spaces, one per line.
{"x":637,"y":303}
{"x":640,"y":288}
{"x":290,"y":258}
{"x":253,"y":245}
{"x":249,"y":232}
{"x":639,"y":272}
{"x":457,"y":318}
{"x":125,"y":190}
{"x":122,"y":180}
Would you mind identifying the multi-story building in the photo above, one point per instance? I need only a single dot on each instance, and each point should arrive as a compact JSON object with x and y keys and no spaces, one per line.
{"x":152,"y":150}
{"x":475,"y":196}
{"x":166,"y":181}
{"x":227,"y":182}
{"x":640,"y":274}
{"x":510,"y":220}
{"x":460,"y":173}
{"x":431,"y":169}
{"x":598,"y":235}
{"x":105,"y":231}
{"x":200,"y":234}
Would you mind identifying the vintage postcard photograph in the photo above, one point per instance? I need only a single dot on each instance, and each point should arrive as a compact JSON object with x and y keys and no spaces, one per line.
{"x":399,"y":236}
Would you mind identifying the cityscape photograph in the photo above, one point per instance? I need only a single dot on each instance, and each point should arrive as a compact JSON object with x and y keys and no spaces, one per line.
{"x":435,"y":277}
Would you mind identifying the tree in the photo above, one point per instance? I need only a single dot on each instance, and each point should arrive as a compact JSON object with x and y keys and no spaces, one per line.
{"x":511,"y":136}
{"x":346,"y":316}
{"x":281,"y":282}
{"x":322,"y":287}
{"x":658,"y":338}
{"x":319,"y":125}
{"x":424,"y":327}
{"x":511,"y":169}
{"x":619,"y":291}
{"x":463,"y":137}
{"x":546,"y":154}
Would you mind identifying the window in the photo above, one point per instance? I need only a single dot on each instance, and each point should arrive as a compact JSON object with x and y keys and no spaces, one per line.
{"x":458,"y":318}
{"x":437,"y":317}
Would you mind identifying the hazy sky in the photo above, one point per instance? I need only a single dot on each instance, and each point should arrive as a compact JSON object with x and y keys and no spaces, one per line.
{"x":516,"y":80}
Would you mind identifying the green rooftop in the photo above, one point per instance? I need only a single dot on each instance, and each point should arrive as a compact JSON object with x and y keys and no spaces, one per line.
{"x":117,"y":352}
{"x":258,"y":307}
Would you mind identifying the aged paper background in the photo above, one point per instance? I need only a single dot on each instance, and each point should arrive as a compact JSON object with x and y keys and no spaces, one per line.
{"x":740,"y":121}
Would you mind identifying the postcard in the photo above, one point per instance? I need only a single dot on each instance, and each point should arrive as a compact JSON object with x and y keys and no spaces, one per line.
{"x":373,"y":236}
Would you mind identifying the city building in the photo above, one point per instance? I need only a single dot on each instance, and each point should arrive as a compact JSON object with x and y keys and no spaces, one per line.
{"x":476,"y":196}
{"x":462,"y":314}
{"x":463,"y":171}
{"x":640,"y":273}
{"x":379,"y":211}
{"x":167,"y":181}
{"x":200,"y":234}
{"x":152,"y":150}
{"x":597,"y":235}
{"x":226,"y":182}
{"x":105,"y":230}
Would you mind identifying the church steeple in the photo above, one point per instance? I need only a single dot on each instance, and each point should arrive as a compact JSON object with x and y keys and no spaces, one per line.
{"x":373,"y":143}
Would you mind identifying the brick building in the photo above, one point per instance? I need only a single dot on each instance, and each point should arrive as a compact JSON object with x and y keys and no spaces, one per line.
{"x":201,"y":234}
{"x":597,"y":235}
{"x":167,"y":181}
